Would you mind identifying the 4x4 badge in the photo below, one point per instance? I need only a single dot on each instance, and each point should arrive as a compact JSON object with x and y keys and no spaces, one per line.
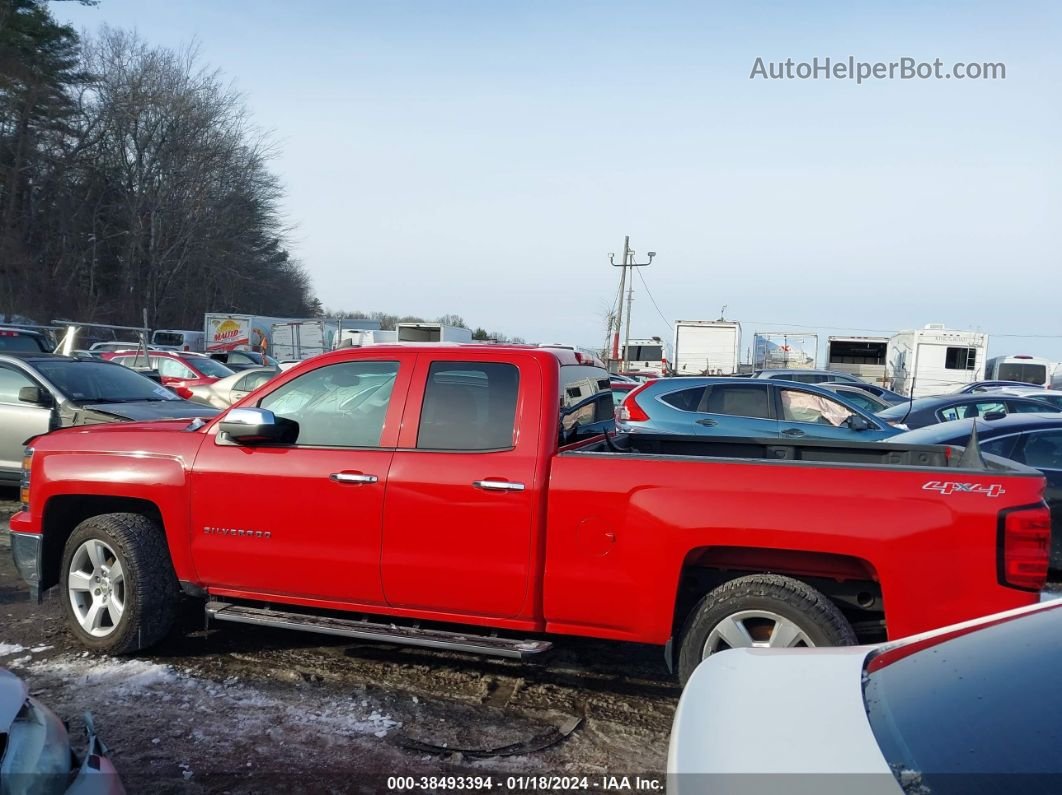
{"x":951,"y":487}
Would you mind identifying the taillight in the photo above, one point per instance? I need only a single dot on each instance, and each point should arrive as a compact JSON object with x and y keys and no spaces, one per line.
{"x":183,"y":391}
{"x":630,"y":411}
{"x":1025,"y":541}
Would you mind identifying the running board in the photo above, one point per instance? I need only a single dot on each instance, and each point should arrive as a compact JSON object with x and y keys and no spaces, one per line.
{"x":386,"y":633}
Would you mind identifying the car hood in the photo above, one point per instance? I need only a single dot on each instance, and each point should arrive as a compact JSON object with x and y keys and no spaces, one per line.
{"x":13,"y":694}
{"x":778,"y":713}
{"x":142,"y":410}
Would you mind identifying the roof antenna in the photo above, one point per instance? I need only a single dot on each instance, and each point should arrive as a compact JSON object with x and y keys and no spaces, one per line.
{"x":971,"y":457}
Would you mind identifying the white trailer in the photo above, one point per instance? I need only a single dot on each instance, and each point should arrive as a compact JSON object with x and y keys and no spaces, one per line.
{"x":934,"y":360}
{"x":432,"y":332}
{"x":1034,"y":370}
{"x":301,"y":339}
{"x":357,"y":337}
{"x":774,"y":350}
{"x":863,"y":357}
{"x":706,"y":347}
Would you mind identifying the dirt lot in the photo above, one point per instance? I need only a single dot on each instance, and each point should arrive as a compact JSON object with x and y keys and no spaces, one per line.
{"x":242,"y":709}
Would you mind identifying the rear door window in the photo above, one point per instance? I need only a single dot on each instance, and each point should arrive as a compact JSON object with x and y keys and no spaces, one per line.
{"x":737,"y":400}
{"x":470,"y":406}
{"x":1042,"y":449}
{"x":685,"y":399}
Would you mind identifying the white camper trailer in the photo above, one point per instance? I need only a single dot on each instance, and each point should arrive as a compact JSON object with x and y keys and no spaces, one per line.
{"x":707,"y":347}
{"x":934,"y":360}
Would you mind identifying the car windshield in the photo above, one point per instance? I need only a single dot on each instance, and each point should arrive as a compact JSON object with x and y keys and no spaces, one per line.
{"x":976,"y":713}
{"x":210,"y":367}
{"x":101,"y":382}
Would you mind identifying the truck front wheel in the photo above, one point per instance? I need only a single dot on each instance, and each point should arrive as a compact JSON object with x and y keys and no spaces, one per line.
{"x":760,"y":610}
{"x":119,"y":588}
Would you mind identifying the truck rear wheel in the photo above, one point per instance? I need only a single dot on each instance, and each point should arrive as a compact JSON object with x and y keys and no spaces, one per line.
{"x":763,"y":611}
{"x":119,"y":588}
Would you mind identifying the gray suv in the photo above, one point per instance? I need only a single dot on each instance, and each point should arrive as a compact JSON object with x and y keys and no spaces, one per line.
{"x":40,"y":392}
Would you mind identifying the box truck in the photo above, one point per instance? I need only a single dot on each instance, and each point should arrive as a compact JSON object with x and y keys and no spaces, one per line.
{"x":707,"y":347}
{"x":863,"y":357}
{"x":935,"y":359}
{"x":235,"y":332}
{"x":300,"y":339}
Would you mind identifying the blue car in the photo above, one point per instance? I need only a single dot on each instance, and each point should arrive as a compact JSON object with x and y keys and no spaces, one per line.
{"x":747,"y":407}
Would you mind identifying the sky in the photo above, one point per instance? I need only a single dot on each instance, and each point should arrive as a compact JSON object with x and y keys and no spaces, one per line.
{"x":483,"y":158}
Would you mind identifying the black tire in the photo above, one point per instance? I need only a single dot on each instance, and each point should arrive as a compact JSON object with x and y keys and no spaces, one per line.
{"x":813,"y":613}
{"x":150,"y":586}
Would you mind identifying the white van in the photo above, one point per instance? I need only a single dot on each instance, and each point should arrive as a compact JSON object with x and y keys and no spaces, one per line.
{"x":1027,"y":369}
{"x":176,"y":340}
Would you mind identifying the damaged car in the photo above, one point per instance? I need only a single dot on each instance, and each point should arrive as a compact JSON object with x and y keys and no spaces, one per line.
{"x":36,"y":755}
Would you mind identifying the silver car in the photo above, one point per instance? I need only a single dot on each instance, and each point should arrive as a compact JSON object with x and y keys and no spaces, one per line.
{"x":40,"y":392}
{"x":225,"y":391}
{"x":970,"y":708}
{"x":35,"y":751}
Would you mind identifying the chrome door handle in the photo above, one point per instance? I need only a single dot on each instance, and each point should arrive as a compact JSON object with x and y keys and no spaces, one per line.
{"x":793,"y":432}
{"x":352,"y":477}
{"x":498,"y":485}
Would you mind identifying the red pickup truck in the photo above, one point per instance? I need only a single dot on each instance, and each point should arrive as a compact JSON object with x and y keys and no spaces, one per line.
{"x":370,"y":490}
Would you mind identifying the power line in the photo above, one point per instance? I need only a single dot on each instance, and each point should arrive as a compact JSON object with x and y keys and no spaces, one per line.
{"x":657,"y":308}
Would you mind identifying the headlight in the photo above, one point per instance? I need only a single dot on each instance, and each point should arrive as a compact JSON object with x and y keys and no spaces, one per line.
{"x":37,"y":760}
{"x":24,"y":487}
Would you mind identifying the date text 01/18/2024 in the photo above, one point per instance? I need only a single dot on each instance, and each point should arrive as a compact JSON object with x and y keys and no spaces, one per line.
{"x":525,"y":783}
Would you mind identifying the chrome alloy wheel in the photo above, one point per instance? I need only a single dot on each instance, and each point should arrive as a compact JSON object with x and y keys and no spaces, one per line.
{"x":96,"y":588}
{"x":760,"y":629}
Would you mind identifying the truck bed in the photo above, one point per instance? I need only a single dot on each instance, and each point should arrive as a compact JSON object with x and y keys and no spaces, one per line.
{"x":821,"y":451}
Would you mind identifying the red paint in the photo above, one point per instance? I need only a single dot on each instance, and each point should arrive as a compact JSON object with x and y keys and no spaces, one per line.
{"x":594,"y":545}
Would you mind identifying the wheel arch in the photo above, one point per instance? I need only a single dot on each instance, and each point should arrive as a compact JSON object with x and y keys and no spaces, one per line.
{"x":65,"y":512}
{"x":849,"y":581}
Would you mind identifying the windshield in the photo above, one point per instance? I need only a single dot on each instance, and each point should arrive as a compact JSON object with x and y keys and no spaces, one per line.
{"x":101,"y":382}
{"x":211,"y":367}
{"x":171,"y":339}
{"x":977,"y":713}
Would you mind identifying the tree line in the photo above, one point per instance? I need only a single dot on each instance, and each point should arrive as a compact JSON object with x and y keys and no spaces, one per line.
{"x":131,"y":177}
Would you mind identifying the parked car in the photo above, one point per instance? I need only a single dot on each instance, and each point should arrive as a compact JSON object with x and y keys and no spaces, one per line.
{"x":880,"y":392}
{"x":43,"y":391}
{"x":1052,"y":396}
{"x":244,"y":360}
{"x":867,"y":401}
{"x":970,"y":708}
{"x":987,"y":386}
{"x":36,"y":755}
{"x":176,"y":368}
{"x":226,"y":391}
{"x":14,"y":340}
{"x":616,"y":378}
{"x":747,"y":407}
{"x":806,"y":376}
{"x":394,"y":452}
{"x":924,"y":411}
{"x":1031,"y":439}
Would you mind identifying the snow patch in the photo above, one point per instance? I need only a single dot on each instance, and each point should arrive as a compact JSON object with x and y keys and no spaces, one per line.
{"x":7,"y":649}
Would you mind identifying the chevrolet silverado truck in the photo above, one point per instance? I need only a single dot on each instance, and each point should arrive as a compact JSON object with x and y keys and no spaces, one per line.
{"x":476,"y":497}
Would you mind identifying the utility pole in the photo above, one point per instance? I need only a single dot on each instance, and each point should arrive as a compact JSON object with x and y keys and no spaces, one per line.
{"x":628,"y":262}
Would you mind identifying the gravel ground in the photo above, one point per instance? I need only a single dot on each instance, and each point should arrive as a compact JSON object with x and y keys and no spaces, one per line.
{"x":245,"y":710}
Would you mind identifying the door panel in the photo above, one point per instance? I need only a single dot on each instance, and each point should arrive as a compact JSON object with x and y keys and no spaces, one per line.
{"x":461,"y":497}
{"x":18,"y":421}
{"x":305,"y":519}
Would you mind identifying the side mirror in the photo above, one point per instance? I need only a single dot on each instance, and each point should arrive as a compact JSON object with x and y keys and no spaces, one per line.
{"x":994,"y":415}
{"x":857,"y":423}
{"x":36,"y":396}
{"x":258,"y":426}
